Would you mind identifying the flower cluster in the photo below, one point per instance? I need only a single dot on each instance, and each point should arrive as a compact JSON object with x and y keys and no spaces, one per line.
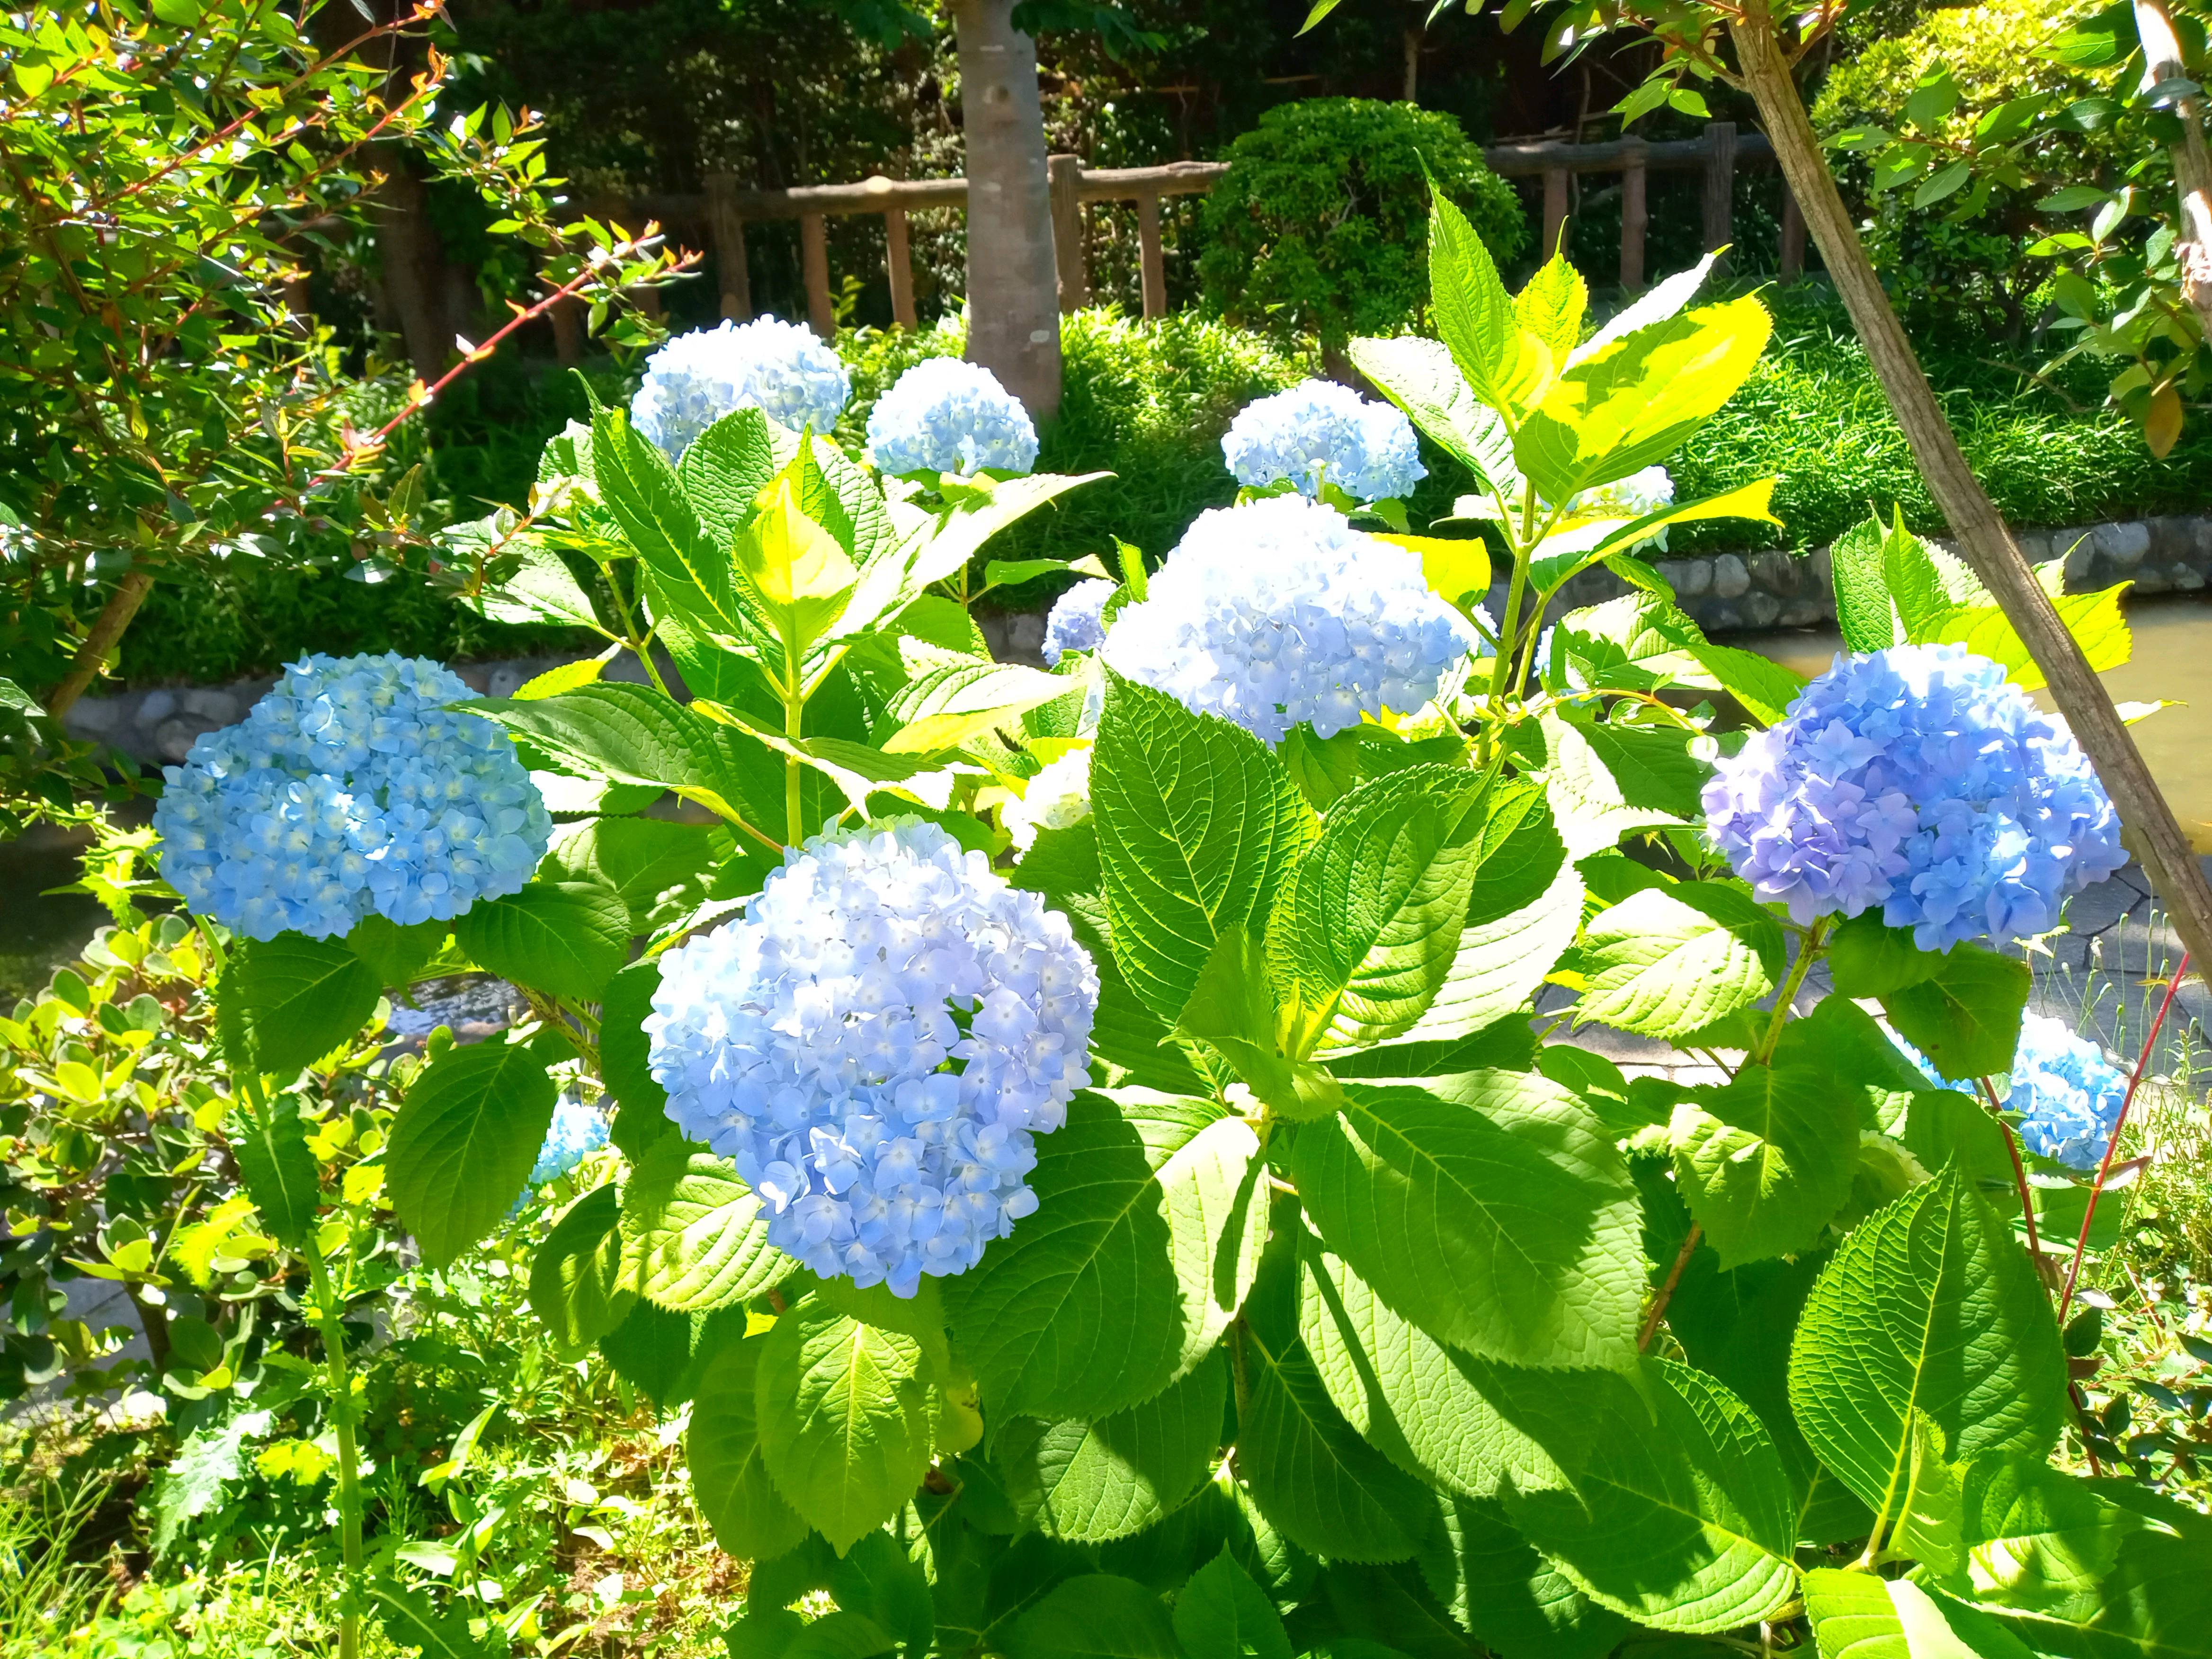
{"x":2068,"y":1094}
{"x":1057,"y":797}
{"x":1075,"y":623}
{"x":947,"y":415}
{"x":1917,"y":779}
{"x":779,"y":367}
{"x":349,"y":788}
{"x":1630,"y":497}
{"x":576,"y":1132}
{"x":1319,"y":432}
{"x":875,"y":1044}
{"x":1279,"y":612}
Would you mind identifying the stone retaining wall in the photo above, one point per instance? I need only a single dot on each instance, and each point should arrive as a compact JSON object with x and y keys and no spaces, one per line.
{"x":1727,"y":592}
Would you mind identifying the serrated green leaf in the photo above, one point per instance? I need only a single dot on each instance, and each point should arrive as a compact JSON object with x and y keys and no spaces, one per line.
{"x":1669,"y":960}
{"x":1551,"y":306}
{"x":1864,"y":610}
{"x":296,"y":998}
{"x":1929,"y":1306}
{"x":641,"y":1115}
{"x":463,"y":1144}
{"x":2095,"y":620}
{"x":1765,"y":1160}
{"x":1965,"y":1016}
{"x":1197,"y":824}
{"x":1149,"y":1220}
{"x":1508,"y":1595}
{"x":729,"y":1478}
{"x":1419,"y":376}
{"x":844,"y":1419}
{"x":1474,"y":316}
{"x":397,"y":954}
{"x":881,"y":1583}
{"x":1869,"y":958}
{"x":280,"y":1172}
{"x":1094,"y":1616}
{"x":690,"y":570}
{"x":694,"y":1236}
{"x":1490,"y":1208}
{"x":1604,"y":781}
{"x":947,"y":702}
{"x":563,"y":937}
{"x":576,"y":1287}
{"x":654,"y":1351}
{"x":723,"y":470}
{"x":1222,"y":1614}
{"x":659,"y":870}
{"x":1857,"y":1615}
{"x":1091,"y":1482}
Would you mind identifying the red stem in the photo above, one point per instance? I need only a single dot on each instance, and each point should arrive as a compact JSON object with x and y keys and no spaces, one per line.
{"x":2112,"y":1145}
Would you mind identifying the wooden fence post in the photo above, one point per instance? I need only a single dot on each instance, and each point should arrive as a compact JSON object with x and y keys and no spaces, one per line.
{"x":1720,"y":185}
{"x":728,"y":230}
{"x":898,"y":265}
{"x":1063,"y":174}
{"x":1793,"y":237}
{"x":1634,"y":216}
{"x":1154,"y":260}
{"x":814,"y":260}
{"x":1555,"y":211}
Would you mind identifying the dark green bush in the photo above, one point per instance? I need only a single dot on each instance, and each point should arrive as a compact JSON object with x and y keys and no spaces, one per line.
{"x":1319,"y":227}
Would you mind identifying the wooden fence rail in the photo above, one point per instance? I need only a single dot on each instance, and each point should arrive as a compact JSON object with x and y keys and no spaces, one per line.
{"x":724,"y":210}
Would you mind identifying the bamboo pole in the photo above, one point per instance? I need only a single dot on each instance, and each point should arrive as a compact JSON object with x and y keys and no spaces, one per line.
{"x":2155,"y":834}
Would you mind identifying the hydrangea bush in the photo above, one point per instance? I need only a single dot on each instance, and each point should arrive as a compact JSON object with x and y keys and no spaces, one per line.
{"x":1086,"y":1158}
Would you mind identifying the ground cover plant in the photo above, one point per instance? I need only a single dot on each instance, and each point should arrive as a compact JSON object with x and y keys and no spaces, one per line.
{"x":1083,"y":1157}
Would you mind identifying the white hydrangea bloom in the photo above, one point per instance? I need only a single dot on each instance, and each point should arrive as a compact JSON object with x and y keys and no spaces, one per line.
{"x":1074,"y":623}
{"x":875,"y":1044}
{"x":351,"y":788}
{"x":1279,"y":613}
{"x":1057,"y":797}
{"x":946,"y":415}
{"x":779,"y":367}
{"x":1630,"y":497}
{"x":1318,"y":431}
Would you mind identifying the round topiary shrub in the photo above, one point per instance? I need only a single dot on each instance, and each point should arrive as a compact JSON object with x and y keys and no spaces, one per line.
{"x":1319,"y":227}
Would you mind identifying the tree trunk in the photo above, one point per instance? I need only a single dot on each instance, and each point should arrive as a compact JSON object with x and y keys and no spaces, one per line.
{"x":2156,"y":838}
{"x":1013,"y":282}
{"x":2192,"y":163}
{"x":413,"y":261}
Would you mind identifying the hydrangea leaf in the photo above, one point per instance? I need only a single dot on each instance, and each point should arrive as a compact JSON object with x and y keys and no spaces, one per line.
{"x":844,"y":1419}
{"x":694,"y":1236}
{"x":1419,"y":376}
{"x":295,"y":998}
{"x":1091,"y":1482}
{"x":1507,"y":1595}
{"x":1490,"y":1208}
{"x":1858,"y":1615}
{"x":729,"y":1476}
{"x":270,"y":1146}
{"x":654,"y":1351}
{"x":1679,"y":1513}
{"x":1606,"y":781}
{"x":399,"y":954}
{"x":1221,"y":1612}
{"x":1523,"y":911}
{"x":1928,"y":1306}
{"x":576,"y":1286}
{"x":963,"y":533}
{"x":566,"y":939}
{"x":1368,"y":921}
{"x":1551,"y":306}
{"x":1094,"y":1616}
{"x":879,"y":1580}
{"x":1232,"y":1010}
{"x":1142,"y":1246}
{"x":2095,"y":620}
{"x":1326,"y":1489}
{"x":1965,"y":1016}
{"x":724,"y":470}
{"x":1381,"y":1609}
{"x":1867,"y":958}
{"x":540,"y":588}
{"x":1665,"y":298}
{"x":641,"y":493}
{"x":463,"y":1144}
{"x":1197,"y":824}
{"x":949,"y":701}
{"x":661,"y":870}
{"x":1864,"y":610}
{"x":641,"y":1104}
{"x":1473,"y":313}
{"x":1765,"y":1159}
{"x":1668,"y":960}
{"x":1592,"y":543}
{"x":1418,"y":1402}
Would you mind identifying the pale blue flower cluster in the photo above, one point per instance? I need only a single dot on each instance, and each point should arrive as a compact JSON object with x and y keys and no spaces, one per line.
{"x":1320,"y":432}
{"x":944,"y":415}
{"x":1075,"y":622}
{"x":351,"y":788}
{"x":1921,"y":780}
{"x":780,"y":369}
{"x":576,"y":1132}
{"x":876,"y":1044}
{"x":1279,"y":613}
{"x":2068,"y":1094}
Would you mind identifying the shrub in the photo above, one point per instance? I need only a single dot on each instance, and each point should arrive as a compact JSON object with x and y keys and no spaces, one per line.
{"x":1319,"y":227}
{"x":1965,"y":253}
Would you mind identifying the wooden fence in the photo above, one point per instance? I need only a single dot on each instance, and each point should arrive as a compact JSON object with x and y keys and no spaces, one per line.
{"x":724,"y":210}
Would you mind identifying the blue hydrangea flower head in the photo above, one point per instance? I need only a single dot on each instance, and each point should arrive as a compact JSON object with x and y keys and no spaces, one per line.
{"x":1921,"y":780}
{"x":1279,"y":613}
{"x":1318,"y":431}
{"x":1075,"y":623}
{"x":946,"y":415}
{"x":351,"y":788}
{"x":2068,"y":1094}
{"x":778,"y":367}
{"x":877,"y":1044}
{"x":577,"y":1131}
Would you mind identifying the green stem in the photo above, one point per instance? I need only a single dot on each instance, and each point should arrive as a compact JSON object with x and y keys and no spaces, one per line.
{"x":794,"y":709}
{"x":327,"y":1319}
{"x":1808,"y":950}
